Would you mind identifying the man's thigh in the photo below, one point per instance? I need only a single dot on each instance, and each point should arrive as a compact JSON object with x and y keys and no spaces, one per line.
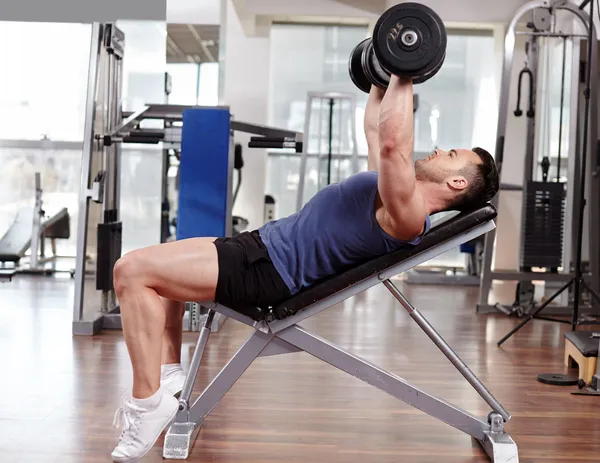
{"x":185,"y":270}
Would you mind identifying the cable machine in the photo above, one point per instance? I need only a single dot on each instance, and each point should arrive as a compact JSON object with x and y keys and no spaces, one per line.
{"x":551,"y":210}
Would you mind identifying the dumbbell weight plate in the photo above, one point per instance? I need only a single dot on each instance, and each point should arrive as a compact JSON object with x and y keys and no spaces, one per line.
{"x":409,"y":40}
{"x":372,"y":69}
{"x":355,"y":68}
{"x":428,"y":75}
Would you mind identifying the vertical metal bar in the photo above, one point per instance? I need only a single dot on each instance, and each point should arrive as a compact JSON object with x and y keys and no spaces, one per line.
{"x":304,"y":155}
{"x":447,"y":351}
{"x":572,"y":158}
{"x":589,"y":145}
{"x":37,"y":222}
{"x":86,"y":160}
{"x":530,"y":160}
{"x":117,"y":117}
{"x":107,"y":151}
{"x":330,"y":140}
{"x":562,"y":104}
{"x":530,"y":157}
{"x":190,"y":379}
{"x":319,"y":143}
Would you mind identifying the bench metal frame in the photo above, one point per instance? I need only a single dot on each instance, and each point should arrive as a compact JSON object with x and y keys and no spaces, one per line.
{"x":286,"y":336}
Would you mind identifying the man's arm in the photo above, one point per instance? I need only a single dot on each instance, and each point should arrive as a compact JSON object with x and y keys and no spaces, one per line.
{"x":403,"y":201}
{"x":371,"y":126}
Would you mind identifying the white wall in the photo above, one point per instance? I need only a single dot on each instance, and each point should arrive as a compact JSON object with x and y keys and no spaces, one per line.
{"x":244,"y":69}
{"x":305,"y":8}
{"x":475,"y":11}
{"x":194,"y":11}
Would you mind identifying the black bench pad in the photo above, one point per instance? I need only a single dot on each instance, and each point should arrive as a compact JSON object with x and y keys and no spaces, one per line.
{"x":461,"y":223}
{"x":583,"y":342}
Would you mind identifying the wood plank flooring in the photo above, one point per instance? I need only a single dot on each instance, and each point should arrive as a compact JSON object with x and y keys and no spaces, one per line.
{"x":59,"y":393}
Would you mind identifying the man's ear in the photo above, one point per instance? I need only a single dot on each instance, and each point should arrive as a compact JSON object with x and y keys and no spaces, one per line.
{"x":457,"y":182}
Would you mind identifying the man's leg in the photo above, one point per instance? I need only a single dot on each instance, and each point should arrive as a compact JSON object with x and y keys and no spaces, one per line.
{"x":172,"y":376}
{"x":184,"y":270}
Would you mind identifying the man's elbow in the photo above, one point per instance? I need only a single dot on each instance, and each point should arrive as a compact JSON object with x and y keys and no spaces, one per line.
{"x":388,"y":147}
{"x":391,"y":149}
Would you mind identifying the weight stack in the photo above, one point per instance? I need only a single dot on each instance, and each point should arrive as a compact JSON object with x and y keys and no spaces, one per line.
{"x":542,"y":232}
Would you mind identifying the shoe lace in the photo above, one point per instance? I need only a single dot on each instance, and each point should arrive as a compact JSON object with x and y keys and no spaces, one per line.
{"x":130,"y":418}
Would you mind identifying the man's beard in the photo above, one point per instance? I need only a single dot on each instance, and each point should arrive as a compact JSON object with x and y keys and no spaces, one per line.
{"x":427,"y":173}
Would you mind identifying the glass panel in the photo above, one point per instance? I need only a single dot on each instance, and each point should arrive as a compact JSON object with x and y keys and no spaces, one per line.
{"x":184,"y":80}
{"x":42,"y":88}
{"x":311,"y":58}
{"x":208,"y":85}
{"x":144,"y":70}
{"x":60,"y":172}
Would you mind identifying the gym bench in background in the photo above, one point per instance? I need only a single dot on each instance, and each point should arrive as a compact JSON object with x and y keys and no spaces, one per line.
{"x":277,"y":332}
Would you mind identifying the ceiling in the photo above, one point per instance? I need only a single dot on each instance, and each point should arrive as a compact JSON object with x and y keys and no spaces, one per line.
{"x":192,"y":43}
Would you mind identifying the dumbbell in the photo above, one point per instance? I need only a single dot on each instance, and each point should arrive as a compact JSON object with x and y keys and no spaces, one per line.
{"x":409,"y":40}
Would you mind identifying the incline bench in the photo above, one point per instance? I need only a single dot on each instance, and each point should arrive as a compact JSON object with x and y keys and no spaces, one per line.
{"x":277,"y":332}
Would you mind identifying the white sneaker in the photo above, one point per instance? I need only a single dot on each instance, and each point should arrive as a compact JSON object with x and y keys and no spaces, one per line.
{"x":141,"y":428}
{"x":173,"y":384}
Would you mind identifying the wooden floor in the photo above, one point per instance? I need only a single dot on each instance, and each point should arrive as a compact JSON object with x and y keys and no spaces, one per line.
{"x":59,"y":393}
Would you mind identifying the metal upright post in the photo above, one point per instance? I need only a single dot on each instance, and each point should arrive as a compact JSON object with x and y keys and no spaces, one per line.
{"x":37,"y":223}
{"x":86,"y":160}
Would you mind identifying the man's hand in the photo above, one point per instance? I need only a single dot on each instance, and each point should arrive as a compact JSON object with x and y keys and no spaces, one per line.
{"x":371,"y":126}
{"x":404,"y":203}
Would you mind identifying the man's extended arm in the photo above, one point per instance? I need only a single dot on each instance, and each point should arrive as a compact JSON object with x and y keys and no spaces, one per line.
{"x":371,"y":125}
{"x":403,"y":202}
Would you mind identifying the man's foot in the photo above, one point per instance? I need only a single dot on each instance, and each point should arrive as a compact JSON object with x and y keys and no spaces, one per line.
{"x":142,"y":425}
{"x":172,"y":379}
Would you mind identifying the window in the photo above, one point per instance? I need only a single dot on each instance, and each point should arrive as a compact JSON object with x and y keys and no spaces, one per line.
{"x":457,"y":108}
{"x":184,"y":83}
{"x":194,"y":84}
{"x":43,"y":80}
{"x":310,"y":58}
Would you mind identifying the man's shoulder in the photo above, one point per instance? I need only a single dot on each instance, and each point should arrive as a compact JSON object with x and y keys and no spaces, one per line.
{"x":408,"y":226}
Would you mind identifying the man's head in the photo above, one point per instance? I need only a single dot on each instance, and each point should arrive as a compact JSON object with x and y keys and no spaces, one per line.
{"x":466,"y":178}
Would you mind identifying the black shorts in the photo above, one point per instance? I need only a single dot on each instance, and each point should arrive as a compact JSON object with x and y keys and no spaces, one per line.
{"x":247,"y":275}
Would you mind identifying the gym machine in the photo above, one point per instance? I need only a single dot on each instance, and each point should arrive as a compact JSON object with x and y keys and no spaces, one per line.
{"x":206,"y":152}
{"x":545,"y":202}
{"x":29,"y":232}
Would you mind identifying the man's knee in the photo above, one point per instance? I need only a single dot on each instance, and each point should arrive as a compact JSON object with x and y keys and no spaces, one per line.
{"x":126,"y":271}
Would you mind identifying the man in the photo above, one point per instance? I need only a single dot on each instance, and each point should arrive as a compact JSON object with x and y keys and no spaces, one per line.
{"x":369,"y":214}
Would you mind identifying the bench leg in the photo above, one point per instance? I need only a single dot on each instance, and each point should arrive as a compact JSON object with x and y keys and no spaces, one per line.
{"x":448,"y":352}
{"x":497,"y":444}
{"x":385,"y":381}
{"x":183,"y":432}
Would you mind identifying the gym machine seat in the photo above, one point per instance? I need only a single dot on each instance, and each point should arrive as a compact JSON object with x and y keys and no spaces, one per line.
{"x":276,"y":331}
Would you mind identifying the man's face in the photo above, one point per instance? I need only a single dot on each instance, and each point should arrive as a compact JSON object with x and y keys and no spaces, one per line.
{"x":444,"y":166}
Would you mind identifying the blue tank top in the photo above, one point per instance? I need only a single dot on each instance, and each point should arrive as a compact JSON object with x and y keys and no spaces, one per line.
{"x":336,"y":229}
